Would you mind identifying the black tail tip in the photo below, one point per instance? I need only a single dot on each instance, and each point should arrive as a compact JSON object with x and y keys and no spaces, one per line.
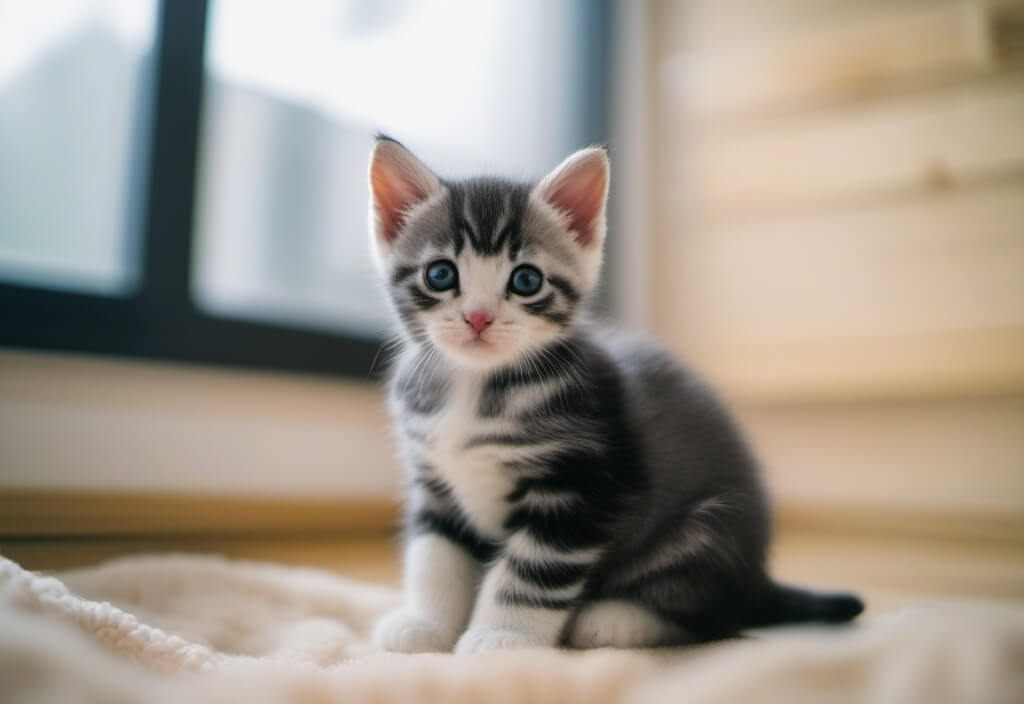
{"x":839,"y":608}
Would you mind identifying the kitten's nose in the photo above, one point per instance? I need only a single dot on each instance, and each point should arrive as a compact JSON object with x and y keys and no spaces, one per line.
{"x":479,"y":319}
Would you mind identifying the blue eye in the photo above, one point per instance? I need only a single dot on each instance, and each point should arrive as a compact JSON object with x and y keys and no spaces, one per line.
{"x":525,"y":281}
{"x":441,"y":275}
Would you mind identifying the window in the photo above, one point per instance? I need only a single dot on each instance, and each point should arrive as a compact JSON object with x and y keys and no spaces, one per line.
{"x":208,"y":202}
{"x":75,"y":89}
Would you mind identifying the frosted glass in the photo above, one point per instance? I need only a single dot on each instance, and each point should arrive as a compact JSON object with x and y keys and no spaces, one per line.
{"x":75,"y":90}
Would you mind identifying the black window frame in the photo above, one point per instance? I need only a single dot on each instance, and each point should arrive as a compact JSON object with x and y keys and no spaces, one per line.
{"x":160,"y":320}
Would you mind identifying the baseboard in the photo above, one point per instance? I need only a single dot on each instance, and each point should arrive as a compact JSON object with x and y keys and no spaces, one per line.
{"x":31,"y":513}
{"x":62,"y":514}
{"x":901,"y":522}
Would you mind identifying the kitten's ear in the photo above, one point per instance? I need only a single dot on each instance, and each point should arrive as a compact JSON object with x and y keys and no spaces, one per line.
{"x":398,"y":182}
{"x":578,"y":188}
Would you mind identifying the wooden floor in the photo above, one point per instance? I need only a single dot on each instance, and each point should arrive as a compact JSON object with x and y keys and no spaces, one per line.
{"x":888,"y":573}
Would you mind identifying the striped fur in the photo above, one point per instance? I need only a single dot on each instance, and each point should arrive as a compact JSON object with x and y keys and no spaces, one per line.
{"x":567,"y":485}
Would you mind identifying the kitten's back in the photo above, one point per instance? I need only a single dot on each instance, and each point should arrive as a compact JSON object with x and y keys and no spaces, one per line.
{"x":691,"y":452}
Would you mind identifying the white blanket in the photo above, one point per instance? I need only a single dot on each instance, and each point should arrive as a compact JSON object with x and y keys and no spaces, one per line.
{"x":204,"y":629}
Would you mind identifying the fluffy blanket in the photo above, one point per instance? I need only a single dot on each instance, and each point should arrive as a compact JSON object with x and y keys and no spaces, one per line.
{"x":204,"y":629}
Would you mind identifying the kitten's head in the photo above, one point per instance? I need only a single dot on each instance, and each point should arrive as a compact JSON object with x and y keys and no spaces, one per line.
{"x":487,"y":270}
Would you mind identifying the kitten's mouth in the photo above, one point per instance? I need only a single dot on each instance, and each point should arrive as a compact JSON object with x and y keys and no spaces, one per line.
{"x":477,"y":341}
{"x":473,"y":349}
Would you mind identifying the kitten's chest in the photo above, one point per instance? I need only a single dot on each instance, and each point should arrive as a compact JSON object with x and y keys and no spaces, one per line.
{"x":476,"y":474}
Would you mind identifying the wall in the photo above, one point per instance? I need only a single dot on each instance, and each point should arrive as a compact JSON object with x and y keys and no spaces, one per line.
{"x":838,"y":240}
{"x":76,"y":422}
{"x":830,"y":202}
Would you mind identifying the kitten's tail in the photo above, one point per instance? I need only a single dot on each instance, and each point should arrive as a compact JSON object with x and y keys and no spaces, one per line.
{"x":782,"y":603}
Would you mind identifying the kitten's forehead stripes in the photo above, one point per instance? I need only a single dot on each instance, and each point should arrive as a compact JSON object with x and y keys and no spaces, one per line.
{"x":488,"y":215}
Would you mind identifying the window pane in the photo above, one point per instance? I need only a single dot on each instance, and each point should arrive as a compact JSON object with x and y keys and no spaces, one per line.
{"x":294,"y":94}
{"x":75,"y":79}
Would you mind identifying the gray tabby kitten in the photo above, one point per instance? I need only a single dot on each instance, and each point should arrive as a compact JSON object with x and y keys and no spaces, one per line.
{"x":568,"y":486}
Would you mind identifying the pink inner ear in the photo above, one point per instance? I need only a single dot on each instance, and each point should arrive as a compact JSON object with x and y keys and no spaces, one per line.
{"x":579,"y":193}
{"x":395,"y":190}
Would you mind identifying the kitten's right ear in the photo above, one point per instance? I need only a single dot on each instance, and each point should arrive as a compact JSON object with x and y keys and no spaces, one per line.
{"x":398,"y":182}
{"x":578,"y":190}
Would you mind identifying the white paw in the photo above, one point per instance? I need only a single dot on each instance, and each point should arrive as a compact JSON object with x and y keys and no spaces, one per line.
{"x":484,"y":640}
{"x":404,"y":632}
{"x":616,"y":624}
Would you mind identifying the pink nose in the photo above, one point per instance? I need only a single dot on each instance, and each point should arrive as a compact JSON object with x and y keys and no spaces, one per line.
{"x":479,"y":319}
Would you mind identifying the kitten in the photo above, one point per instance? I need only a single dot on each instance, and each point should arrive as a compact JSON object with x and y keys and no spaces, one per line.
{"x":568,"y":486}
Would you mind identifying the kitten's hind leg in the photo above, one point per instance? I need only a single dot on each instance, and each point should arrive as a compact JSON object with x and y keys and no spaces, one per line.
{"x":621,"y":624}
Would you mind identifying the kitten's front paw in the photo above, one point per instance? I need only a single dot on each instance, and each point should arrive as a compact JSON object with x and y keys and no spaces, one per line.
{"x":404,"y":632}
{"x":484,"y":640}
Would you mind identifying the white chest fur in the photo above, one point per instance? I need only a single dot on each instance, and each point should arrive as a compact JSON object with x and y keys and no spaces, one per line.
{"x":476,"y":475}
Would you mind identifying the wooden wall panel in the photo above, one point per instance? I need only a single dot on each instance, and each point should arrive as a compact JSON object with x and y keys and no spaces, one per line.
{"x":950,"y":262}
{"x":840,"y":195}
{"x":958,"y":458}
{"x":925,"y":293}
{"x":78,"y":422}
{"x":876,"y":50}
{"x":963,"y":134}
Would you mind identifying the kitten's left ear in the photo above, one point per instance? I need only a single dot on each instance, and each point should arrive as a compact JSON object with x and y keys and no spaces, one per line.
{"x":578,"y":189}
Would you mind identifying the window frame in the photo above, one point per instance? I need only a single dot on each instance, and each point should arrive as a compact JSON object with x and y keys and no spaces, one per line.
{"x":160,"y":319}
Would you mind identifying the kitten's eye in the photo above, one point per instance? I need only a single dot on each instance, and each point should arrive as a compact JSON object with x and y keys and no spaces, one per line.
{"x":525,"y":281}
{"x":441,"y":275}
